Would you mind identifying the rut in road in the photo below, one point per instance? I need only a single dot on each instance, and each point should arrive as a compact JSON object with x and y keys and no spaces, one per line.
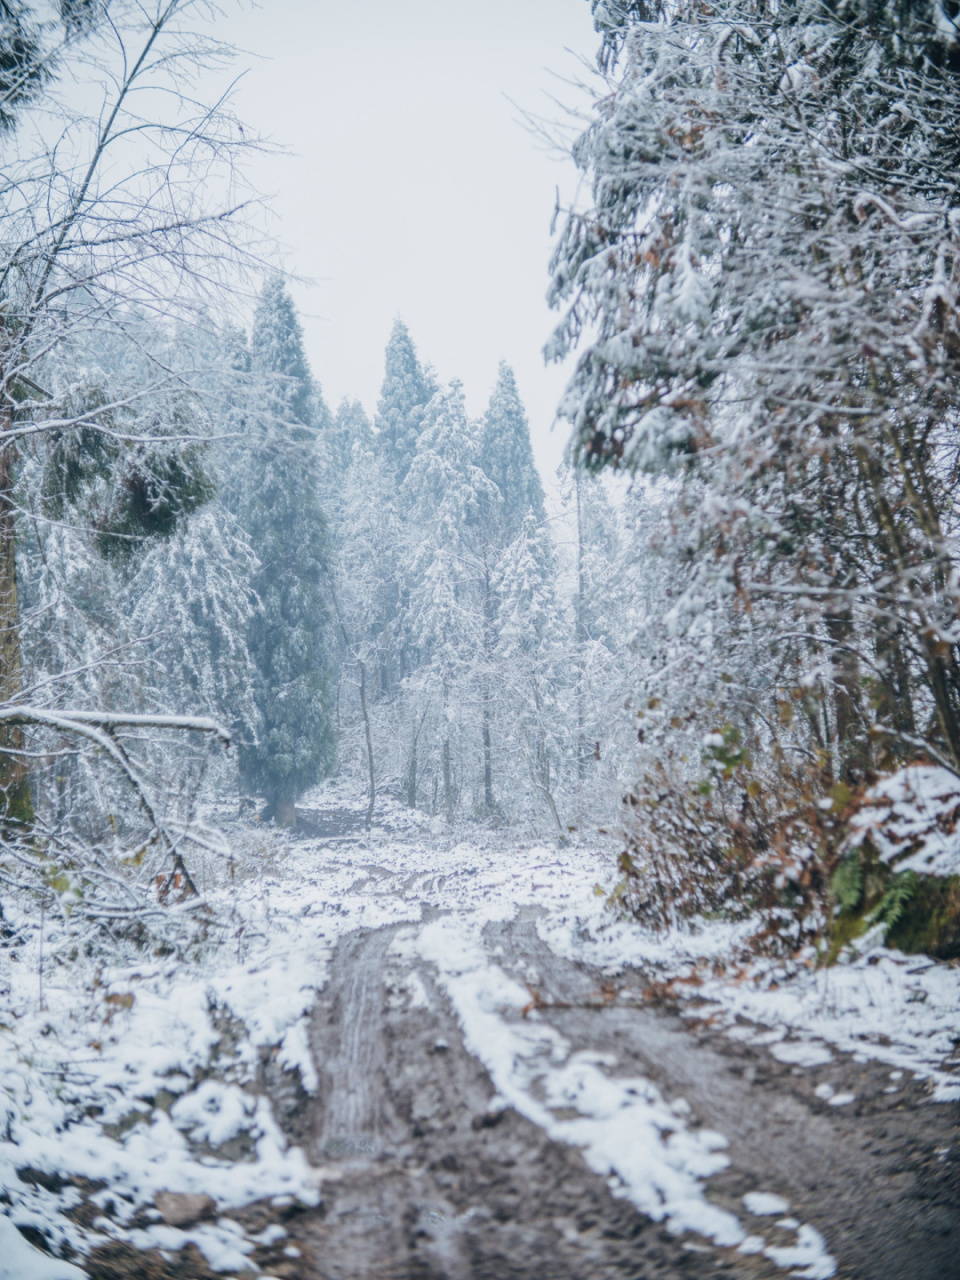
{"x":353,"y":1115}
{"x":872,"y":1180}
{"x":424,"y":1179}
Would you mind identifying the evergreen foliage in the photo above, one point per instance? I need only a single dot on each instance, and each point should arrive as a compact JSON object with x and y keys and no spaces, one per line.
{"x":194,"y":605}
{"x":444,"y":495}
{"x":507,"y":458}
{"x":407,"y":388}
{"x":770,"y":261}
{"x":531,"y":665}
{"x":29,"y":42}
{"x":350,"y":426}
{"x":369,"y":538}
{"x":131,"y":471}
{"x":763,"y":285}
{"x":281,"y":516}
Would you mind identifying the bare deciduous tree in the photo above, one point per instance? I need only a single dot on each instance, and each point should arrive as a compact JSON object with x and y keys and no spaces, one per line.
{"x":123,"y":206}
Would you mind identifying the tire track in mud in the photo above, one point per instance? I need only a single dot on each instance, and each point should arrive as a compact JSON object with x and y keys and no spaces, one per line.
{"x":354,"y":1074}
{"x":872,"y":1177}
{"x":423,"y":1180}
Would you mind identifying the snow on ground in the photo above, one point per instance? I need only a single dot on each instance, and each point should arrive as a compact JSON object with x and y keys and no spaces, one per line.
{"x":106,"y":1081}
{"x":881,"y":1004}
{"x":144,"y":1076}
{"x":896,"y":1009}
{"x":626,"y":1130}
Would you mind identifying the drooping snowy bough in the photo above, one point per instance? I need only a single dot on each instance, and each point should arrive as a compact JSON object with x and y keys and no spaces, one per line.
{"x":764,"y":288}
{"x":122,"y":221}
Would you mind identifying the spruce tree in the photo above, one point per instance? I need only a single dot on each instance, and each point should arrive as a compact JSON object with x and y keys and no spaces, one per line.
{"x":368,"y":559}
{"x":350,"y":425}
{"x":282,"y":517}
{"x":445,"y":495}
{"x":596,"y":604}
{"x":407,"y":388}
{"x":31,"y":36}
{"x":529,"y":659}
{"x":507,"y":458}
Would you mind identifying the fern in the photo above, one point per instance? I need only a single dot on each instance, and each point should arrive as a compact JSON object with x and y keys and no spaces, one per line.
{"x":846,"y":884}
{"x":895,"y":901}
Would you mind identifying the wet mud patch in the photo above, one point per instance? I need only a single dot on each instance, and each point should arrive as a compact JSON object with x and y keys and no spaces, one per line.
{"x":427,"y":1176}
{"x":859,"y":1152}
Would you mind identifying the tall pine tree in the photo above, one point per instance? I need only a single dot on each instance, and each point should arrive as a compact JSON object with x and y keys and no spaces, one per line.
{"x":281,"y":514}
{"x":194,"y":605}
{"x":350,"y":425}
{"x":445,"y":495}
{"x":530,"y":666}
{"x":406,"y":391}
{"x":507,"y":458}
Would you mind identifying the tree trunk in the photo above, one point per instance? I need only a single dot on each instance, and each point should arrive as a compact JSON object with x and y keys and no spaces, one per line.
{"x":541,"y":761}
{"x":15,"y":802}
{"x":447,"y":782}
{"x":488,"y":803}
{"x":852,"y":743}
{"x":894,"y":696}
{"x":386,"y":658}
{"x":938,"y":676}
{"x":581,"y":657}
{"x":366,"y":729}
{"x":412,"y":775}
{"x":488,"y":643}
{"x":285,"y":814}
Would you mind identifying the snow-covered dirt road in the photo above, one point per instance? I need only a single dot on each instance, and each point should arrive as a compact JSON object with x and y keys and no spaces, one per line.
{"x":417,"y":1058}
{"x":464,"y":1137}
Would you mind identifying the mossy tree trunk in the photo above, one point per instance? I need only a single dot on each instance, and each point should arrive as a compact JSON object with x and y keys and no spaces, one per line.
{"x":15,"y":802}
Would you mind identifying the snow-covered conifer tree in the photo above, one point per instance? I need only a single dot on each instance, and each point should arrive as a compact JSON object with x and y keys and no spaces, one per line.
{"x":507,"y":458}
{"x":349,"y":426}
{"x":407,"y":387}
{"x":194,"y":606}
{"x":769,"y":278}
{"x":531,"y":667}
{"x":367,"y":571}
{"x":280,"y":513}
{"x":444,"y":496}
{"x":597,"y":600}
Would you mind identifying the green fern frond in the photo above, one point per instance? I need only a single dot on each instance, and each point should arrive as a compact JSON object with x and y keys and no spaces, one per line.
{"x":896,"y":900}
{"x":846,"y":884}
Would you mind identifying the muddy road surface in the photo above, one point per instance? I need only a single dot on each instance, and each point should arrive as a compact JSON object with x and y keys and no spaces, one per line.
{"x":431,"y":1174}
{"x":490,"y":1110}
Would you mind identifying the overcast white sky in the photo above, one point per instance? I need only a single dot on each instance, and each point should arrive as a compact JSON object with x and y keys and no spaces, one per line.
{"x":413,"y":189}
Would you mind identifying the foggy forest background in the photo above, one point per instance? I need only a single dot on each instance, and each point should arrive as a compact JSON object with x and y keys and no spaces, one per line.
{"x":196,"y":546}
